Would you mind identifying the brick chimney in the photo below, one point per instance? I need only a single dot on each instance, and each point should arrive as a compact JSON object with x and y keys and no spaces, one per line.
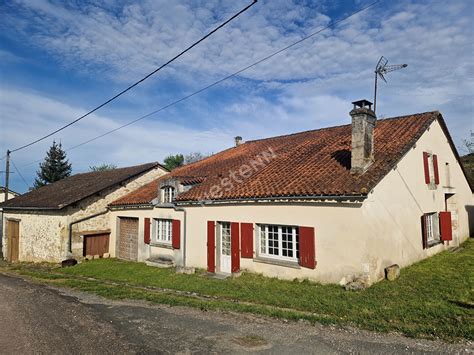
{"x":238,"y":141}
{"x":363,"y":124}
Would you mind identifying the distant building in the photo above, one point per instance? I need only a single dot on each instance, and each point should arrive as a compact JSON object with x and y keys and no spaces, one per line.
{"x":11,"y":194}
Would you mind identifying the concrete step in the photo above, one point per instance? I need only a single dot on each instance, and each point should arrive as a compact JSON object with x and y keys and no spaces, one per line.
{"x":163,"y":262}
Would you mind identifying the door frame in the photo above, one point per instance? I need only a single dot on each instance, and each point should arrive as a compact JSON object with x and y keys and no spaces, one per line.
{"x":10,"y":257}
{"x":219,"y":248}
{"x":119,"y":237}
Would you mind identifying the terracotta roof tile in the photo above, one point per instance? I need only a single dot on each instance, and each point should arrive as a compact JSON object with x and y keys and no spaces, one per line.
{"x":143,"y":195}
{"x":311,"y":163}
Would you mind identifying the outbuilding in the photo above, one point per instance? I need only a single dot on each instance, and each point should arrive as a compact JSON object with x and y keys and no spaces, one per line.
{"x":69,"y":218}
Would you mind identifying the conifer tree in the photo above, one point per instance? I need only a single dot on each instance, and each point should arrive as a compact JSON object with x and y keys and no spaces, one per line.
{"x":54,"y":167}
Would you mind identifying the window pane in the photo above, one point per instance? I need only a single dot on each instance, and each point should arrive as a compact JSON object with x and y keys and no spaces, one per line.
{"x":273,"y":241}
{"x":263,"y":240}
{"x":287,"y":241}
{"x":225,"y":238}
{"x":163,"y":230}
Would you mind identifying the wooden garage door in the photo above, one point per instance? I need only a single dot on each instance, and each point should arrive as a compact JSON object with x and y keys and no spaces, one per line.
{"x":128,"y":238}
{"x":96,"y":244}
{"x":13,"y":237}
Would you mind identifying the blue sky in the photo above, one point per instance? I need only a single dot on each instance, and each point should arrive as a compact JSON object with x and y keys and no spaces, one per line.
{"x":58,"y":59}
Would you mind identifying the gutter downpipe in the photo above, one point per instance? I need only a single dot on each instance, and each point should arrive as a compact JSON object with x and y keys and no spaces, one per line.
{"x":79,"y":221}
{"x":181,"y":209}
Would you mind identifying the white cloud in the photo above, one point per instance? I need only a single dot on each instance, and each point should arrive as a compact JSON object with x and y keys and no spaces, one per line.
{"x":306,"y":87}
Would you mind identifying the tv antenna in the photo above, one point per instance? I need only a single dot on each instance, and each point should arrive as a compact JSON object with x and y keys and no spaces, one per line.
{"x":381,"y":69}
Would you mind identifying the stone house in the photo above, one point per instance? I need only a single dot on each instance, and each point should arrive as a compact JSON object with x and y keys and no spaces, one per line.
{"x":328,"y":204}
{"x":69,"y":218}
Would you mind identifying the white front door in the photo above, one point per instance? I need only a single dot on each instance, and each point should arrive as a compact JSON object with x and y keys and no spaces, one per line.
{"x":225,"y":260}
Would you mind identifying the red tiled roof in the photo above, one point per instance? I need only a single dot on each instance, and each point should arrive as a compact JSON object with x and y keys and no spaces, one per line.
{"x":142,"y":195}
{"x":311,"y":163}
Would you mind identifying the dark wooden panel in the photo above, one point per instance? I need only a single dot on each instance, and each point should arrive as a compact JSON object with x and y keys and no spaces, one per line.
{"x":96,"y":244}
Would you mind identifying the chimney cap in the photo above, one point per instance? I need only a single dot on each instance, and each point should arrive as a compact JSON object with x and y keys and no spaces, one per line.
{"x":238,"y":140}
{"x":362,"y":104}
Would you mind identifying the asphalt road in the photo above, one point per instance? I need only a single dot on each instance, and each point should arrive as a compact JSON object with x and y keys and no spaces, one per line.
{"x":40,"y":319}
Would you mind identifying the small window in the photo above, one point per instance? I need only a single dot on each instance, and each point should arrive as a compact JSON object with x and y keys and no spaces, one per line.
{"x":432,"y":228}
{"x":448,"y":175}
{"x":167,"y":194}
{"x":431,"y":168}
{"x":162,"y":231}
{"x":280,"y":242}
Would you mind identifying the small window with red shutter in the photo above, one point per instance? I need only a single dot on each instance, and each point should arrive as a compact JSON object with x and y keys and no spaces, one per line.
{"x":430,"y":166}
{"x":430,"y":228}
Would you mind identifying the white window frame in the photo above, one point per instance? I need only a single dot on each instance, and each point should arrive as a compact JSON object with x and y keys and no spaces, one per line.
{"x":432,"y":228}
{"x":225,"y":227}
{"x":167,"y":194}
{"x":263,"y":245}
{"x":163,"y":230}
{"x":431,"y":169}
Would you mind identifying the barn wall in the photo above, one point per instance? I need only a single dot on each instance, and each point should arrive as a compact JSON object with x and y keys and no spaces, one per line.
{"x":44,"y":235}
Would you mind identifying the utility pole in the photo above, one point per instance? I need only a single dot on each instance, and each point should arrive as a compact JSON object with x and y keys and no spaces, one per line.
{"x":7,"y":174}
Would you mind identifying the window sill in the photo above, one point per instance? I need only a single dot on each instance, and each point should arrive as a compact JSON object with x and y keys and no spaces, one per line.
{"x":285,"y":263}
{"x":161,"y":245}
{"x":434,"y":243}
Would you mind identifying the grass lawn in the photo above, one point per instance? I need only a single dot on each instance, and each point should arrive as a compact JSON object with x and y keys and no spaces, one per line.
{"x":431,"y":299}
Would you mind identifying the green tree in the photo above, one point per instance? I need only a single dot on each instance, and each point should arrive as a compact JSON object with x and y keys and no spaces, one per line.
{"x":102,"y":167}
{"x":173,"y":161}
{"x":194,"y":157}
{"x":54,"y":167}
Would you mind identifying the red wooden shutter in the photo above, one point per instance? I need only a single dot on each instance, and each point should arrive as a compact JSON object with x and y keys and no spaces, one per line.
{"x":426,"y":167}
{"x":176,"y":234}
{"x":435,"y":168}
{"x":246,"y":240}
{"x":445,"y":226}
{"x":307,"y":247}
{"x":235,"y":247}
{"x":424,"y":234}
{"x":211,"y":246}
{"x":146,"y":233}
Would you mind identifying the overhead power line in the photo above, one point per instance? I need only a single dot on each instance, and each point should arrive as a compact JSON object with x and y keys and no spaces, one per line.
{"x":330,"y":25}
{"x":19,"y":173}
{"x":139,"y":81}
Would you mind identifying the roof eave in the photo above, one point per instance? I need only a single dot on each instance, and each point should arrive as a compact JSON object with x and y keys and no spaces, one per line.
{"x":131,"y":206}
{"x":279,"y":199}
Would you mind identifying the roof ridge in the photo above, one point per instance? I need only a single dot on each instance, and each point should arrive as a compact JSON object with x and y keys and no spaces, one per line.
{"x":115,"y":169}
{"x":338,"y":126}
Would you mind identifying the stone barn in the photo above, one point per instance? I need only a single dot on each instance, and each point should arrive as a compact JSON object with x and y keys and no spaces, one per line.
{"x":69,"y":217}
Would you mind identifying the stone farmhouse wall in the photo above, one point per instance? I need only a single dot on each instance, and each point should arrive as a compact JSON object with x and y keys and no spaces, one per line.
{"x":44,"y":235}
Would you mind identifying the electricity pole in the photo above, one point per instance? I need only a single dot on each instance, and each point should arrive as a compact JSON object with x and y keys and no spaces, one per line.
{"x":7,"y":174}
